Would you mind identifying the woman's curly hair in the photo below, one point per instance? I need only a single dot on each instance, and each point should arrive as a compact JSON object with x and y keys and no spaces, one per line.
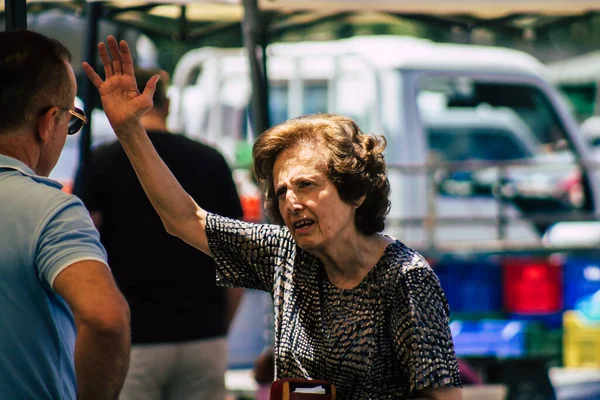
{"x":355,"y":164}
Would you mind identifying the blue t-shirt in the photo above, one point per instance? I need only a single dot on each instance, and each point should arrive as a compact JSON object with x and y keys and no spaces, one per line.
{"x":42,"y":231}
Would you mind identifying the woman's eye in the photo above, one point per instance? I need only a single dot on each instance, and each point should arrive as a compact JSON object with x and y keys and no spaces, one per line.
{"x":280,"y":193}
{"x":305,"y":184}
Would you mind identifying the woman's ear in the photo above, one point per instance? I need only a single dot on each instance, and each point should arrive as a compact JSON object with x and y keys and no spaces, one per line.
{"x":359,"y":202}
{"x":46,"y":125}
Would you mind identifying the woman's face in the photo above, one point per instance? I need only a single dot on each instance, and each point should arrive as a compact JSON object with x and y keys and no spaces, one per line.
{"x":308,"y":201}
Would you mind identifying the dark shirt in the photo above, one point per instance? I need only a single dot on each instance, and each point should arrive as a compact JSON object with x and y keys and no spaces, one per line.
{"x":170,"y":286}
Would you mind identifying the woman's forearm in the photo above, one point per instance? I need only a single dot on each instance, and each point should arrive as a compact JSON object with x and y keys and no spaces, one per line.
{"x":180,"y":214}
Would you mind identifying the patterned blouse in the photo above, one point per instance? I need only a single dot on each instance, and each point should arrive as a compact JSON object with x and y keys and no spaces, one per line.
{"x":384,"y":339}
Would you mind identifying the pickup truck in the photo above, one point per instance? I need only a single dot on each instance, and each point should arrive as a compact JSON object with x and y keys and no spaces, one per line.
{"x":393,"y":86}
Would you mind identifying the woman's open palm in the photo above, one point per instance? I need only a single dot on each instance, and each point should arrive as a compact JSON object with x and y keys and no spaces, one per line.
{"x":123,"y":104}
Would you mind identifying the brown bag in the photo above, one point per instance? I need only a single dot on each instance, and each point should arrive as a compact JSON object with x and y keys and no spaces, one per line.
{"x":302,"y":389}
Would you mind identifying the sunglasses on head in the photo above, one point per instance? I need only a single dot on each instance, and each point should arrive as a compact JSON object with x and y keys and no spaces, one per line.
{"x":77,"y":120}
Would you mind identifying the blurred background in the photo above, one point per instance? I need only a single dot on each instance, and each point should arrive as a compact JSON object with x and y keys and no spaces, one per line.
{"x":492,"y":116}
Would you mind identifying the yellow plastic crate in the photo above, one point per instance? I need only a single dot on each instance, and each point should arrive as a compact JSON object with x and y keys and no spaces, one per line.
{"x":581,"y":340}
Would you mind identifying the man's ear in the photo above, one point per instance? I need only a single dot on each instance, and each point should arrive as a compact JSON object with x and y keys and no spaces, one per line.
{"x":46,"y":124}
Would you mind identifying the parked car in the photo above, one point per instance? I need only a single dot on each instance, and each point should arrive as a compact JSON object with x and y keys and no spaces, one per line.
{"x":472,"y":136}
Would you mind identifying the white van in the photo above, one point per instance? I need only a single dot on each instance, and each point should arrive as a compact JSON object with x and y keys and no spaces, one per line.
{"x":390,"y":85}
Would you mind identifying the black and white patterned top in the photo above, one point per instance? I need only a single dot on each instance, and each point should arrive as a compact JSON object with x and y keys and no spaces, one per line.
{"x":384,"y":339}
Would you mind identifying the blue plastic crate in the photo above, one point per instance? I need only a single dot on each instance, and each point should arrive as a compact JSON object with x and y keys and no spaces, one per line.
{"x":489,"y":338}
{"x":471,"y":286}
{"x":548,"y":321}
{"x":581,"y":279}
{"x":589,"y":306}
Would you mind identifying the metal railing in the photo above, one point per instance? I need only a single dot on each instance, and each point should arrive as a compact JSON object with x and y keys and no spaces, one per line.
{"x":508,"y":195}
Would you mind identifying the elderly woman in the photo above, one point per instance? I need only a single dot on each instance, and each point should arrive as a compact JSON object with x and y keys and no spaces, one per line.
{"x":352,"y":306}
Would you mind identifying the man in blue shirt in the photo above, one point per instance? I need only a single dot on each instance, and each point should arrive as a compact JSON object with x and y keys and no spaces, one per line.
{"x":64,"y":325}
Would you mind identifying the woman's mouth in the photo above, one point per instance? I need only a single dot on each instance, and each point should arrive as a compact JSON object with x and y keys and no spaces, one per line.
{"x":303,"y":225}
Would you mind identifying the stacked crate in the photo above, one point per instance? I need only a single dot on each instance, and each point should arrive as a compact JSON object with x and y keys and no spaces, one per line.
{"x":525,"y":307}
{"x":471,"y":286}
{"x":499,"y":338}
{"x":581,"y":319}
{"x":581,"y":340}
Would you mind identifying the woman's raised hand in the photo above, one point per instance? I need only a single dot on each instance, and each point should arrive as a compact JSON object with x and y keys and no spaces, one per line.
{"x":123,"y":104}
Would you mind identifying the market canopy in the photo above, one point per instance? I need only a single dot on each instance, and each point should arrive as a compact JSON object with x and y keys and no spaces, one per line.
{"x":186,"y":20}
{"x":478,"y":8}
{"x":483,"y":9}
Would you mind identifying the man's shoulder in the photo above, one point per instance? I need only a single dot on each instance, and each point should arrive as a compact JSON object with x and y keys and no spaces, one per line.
{"x":26,"y":188}
{"x":32,"y":201}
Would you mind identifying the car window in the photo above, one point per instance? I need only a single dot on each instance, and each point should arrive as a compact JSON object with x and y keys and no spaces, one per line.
{"x":475,"y":144}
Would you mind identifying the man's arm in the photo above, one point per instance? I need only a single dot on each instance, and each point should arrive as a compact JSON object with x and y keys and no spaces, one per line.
{"x":103,"y":334}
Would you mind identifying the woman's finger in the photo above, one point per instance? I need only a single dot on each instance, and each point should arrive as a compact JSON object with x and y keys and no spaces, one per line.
{"x":150,"y":88}
{"x":94,"y":77}
{"x":126,"y":59}
{"x":115,"y":54}
{"x":108,"y":69}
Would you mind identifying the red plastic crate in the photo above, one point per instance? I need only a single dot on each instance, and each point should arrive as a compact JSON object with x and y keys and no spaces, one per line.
{"x":533,"y":286}
{"x":251,"y":205}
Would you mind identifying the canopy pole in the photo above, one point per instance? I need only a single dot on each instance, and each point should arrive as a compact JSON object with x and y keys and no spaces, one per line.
{"x":183,"y":23}
{"x":15,"y":14}
{"x":94,"y":9}
{"x":255,"y":41}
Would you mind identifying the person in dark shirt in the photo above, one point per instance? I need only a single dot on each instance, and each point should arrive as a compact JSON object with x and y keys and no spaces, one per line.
{"x":179,"y":315}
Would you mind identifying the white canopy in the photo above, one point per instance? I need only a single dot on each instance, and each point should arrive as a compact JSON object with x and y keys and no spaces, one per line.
{"x":229,"y":10}
{"x":478,"y":8}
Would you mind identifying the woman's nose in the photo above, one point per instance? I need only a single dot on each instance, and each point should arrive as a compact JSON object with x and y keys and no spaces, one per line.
{"x":293,"y":202}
